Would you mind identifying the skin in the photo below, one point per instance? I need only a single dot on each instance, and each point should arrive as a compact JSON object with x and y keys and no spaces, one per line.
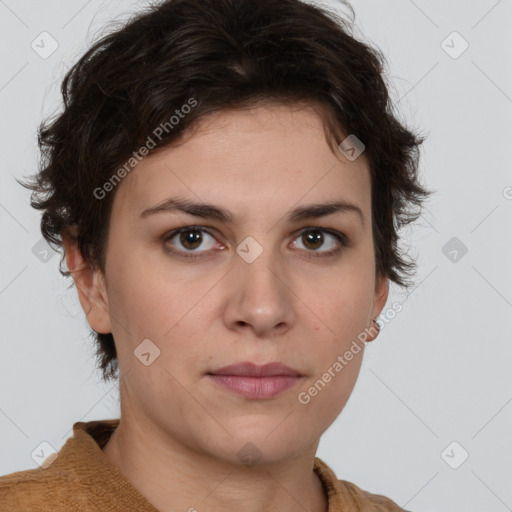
{"x":180,"y":433}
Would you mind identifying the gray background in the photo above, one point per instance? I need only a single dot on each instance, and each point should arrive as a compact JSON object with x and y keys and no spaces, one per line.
{"x":438,"y":374}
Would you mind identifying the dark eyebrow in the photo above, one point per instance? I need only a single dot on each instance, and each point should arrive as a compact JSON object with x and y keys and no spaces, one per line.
{"x":209,"y":211}
{"x":206,"y":211}
{"x":315,"y":211}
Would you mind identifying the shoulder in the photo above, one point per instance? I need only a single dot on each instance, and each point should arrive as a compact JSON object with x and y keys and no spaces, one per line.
{"x":36,"y":490}
{"x":368,"y":501}
{"x":344,"y":495}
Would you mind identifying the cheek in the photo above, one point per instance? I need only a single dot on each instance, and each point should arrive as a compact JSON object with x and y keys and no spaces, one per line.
{"x":323,"y":398}
{"x":342,"y":305}
{"x":141,"y":305}
{"x":170,"y":311}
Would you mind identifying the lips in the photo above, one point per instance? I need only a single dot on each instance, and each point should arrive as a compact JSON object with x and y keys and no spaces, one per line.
{"x":249,"y":369}
{"x":255,"y":381}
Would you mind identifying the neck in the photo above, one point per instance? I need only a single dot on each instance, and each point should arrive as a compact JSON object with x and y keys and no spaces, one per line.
{"x":173,"y":476}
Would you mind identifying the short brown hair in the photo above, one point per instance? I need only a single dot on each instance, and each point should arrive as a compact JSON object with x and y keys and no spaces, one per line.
{"x":223,"y":54}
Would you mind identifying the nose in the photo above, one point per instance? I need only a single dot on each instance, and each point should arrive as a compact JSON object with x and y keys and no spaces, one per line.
{"x":259,"y":297}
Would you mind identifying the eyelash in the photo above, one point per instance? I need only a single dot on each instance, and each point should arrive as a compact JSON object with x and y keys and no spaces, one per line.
{"x":340,"y":237}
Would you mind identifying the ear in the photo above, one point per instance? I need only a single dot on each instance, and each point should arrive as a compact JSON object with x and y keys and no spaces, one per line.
{"x":90,"y":285}
{"x":379,"y":300}
{"x":381,"y":295}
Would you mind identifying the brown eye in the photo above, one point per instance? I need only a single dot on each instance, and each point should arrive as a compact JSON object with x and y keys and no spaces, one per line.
{"x":315,"y":238}
{"x":186,"y":241}
{"x":191,"y":239}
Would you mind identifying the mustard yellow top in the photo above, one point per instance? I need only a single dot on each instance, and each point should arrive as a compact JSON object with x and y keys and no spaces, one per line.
{"x":82,"y":479}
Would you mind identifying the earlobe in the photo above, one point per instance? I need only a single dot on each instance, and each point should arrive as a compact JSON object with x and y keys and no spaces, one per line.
{"x":90,"y":286}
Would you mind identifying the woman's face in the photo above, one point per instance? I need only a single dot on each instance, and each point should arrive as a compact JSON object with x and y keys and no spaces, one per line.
{"x":255,"y":287}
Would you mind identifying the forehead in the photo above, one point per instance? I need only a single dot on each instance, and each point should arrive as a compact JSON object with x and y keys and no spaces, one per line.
{"x":259,"y":159}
